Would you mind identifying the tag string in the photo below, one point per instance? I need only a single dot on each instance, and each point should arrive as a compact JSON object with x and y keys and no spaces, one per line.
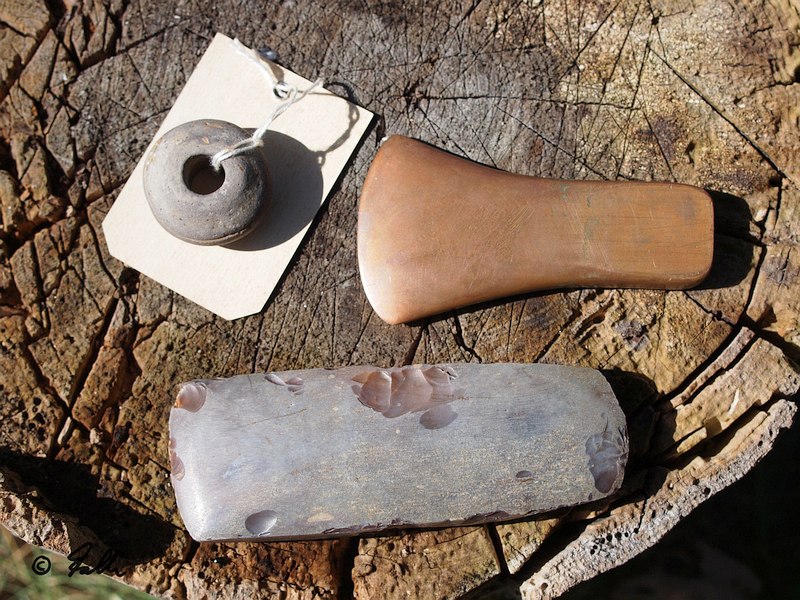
{"x":285,"y":91}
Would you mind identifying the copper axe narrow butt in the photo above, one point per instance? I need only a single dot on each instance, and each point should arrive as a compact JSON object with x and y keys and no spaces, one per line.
{"x":438,"y":232}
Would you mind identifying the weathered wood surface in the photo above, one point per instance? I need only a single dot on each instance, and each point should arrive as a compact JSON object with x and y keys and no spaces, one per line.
{"x":703,"y":93}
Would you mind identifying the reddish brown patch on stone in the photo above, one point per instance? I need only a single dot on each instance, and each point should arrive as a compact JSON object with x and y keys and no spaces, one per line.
{"x":607,"y":456}
{"x":400,"y":390}
{"x":176,"y":466}
{"x":294,"y":385}
{"x":191,"y":396}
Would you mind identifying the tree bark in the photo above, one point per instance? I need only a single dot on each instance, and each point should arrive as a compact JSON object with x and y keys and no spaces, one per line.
{"x":702,"y":93}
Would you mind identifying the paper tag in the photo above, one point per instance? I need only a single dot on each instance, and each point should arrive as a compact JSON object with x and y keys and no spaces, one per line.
{"x":306,"y":148}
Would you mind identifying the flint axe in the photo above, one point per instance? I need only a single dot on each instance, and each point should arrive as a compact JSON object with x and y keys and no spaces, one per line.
{"x":322,"y":453}
{"x":438,"y":232}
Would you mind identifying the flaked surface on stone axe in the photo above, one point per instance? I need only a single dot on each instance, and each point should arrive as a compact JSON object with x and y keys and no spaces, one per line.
{"x":438,"y":232}
{"x":319,"y":453}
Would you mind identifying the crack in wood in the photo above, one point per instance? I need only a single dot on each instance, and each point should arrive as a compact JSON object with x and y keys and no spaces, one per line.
{"x":497,"y":546}
{"x":411,"y":353}
{"x":458,"y":335}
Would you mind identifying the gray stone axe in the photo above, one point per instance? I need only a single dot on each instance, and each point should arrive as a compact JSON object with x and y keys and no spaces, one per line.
{"x":321,"y":453}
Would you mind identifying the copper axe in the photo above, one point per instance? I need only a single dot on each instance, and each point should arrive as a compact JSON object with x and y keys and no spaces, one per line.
{"x":438,"y":232}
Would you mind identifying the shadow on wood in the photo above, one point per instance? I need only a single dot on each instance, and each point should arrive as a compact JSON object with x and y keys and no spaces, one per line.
{"x":636,"y":395}
{"x":71,"y":490}
{"x":742,"y":543}
{"x":733,"y":244}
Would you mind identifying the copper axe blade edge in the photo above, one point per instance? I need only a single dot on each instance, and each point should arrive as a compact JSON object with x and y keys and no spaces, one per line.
{"x":322,"y":453}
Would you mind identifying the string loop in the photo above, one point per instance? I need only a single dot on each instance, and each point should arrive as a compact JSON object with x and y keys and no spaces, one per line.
{"x":286,"y":92}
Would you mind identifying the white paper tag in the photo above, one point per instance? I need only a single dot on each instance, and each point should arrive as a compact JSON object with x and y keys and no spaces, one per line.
{"x":306,"y":148}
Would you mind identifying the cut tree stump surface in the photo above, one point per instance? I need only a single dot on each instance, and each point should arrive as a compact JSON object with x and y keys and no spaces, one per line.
{"x":703,"y":93}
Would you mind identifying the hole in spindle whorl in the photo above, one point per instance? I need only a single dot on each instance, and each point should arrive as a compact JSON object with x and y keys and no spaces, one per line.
{"x":201,"y":177}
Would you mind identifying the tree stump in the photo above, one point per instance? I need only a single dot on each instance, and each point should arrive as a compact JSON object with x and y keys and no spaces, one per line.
{"x":701,"y":93}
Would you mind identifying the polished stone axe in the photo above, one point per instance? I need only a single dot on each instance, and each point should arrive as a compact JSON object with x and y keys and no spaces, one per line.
{"x":321,"y":453}
{"x":438,"y":232}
